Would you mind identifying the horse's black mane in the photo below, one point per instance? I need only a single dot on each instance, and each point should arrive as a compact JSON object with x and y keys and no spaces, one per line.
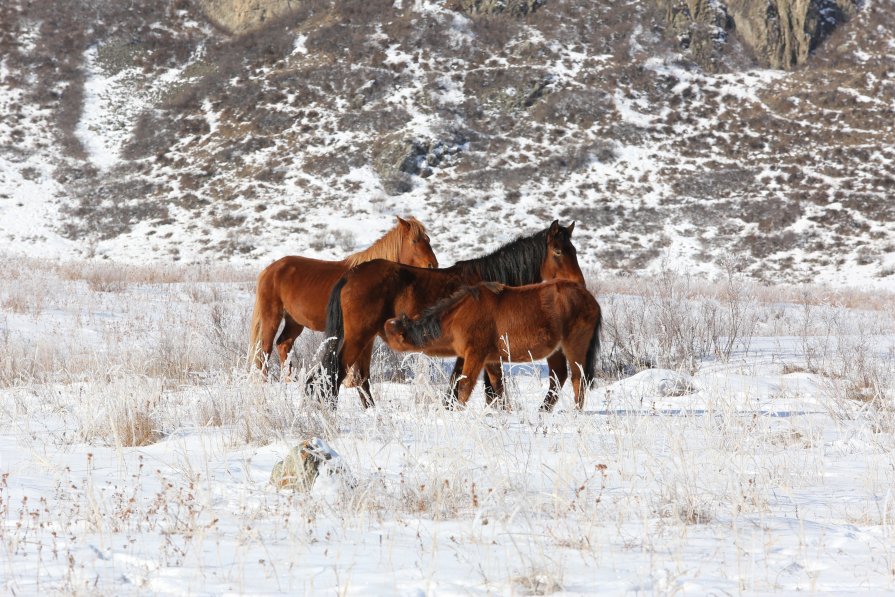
{"x":517,"y":263}
{"x":427,"y":326}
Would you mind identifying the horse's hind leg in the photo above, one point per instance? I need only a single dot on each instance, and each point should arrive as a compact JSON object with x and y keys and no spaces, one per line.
{"x":356,"y":346}
{"x":362,"y":370}
{"x":576,"y":352}
{"x":270,"y":322}
{"x":558,"y":370}
{"x":285,"y":342}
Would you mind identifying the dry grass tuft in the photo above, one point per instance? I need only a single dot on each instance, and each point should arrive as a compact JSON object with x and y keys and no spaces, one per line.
{"x":136,"y":423}
{"x":106,"y":278}
{"x":539,"y":581}
{"x":138,"y":429}
{"x":790,"y":438}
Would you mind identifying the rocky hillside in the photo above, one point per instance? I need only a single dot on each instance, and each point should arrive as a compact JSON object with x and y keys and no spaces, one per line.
{"x":709,"y":133}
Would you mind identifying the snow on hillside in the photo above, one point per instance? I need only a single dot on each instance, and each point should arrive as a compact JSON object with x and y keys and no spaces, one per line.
{"x":29,"y":195}
{"x":176,"y":143}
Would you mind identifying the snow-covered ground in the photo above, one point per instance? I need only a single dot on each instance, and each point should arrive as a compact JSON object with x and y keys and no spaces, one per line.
{"x":769,"y":472}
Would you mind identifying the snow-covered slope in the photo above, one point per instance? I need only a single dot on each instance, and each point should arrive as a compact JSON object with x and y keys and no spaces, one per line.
{"x":141,"y":133}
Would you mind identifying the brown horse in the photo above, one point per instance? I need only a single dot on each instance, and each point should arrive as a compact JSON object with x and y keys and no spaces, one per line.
{"x":492,"y":323}
{"x":374,"y":292}
{"x":296,"y":289}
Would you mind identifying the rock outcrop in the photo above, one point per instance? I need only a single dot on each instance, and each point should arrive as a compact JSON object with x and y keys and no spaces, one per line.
{"x":781,"y":33}
{"x":241,"y":16}
{"x":701,"y":28}
{"x":513,"y":7}
{"x":397,"y":158}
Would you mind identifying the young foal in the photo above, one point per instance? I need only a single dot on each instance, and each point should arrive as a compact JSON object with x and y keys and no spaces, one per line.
{"x":492,"y":323}
{"x":296,"y":289}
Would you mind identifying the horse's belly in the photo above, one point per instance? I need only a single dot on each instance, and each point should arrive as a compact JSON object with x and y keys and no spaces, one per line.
{"x":439,"y":352}
{"x":307,"y":304}
{"x":522,"y":347}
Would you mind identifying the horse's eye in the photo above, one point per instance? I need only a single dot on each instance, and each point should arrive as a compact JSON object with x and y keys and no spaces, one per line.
{"x":557,"y":252}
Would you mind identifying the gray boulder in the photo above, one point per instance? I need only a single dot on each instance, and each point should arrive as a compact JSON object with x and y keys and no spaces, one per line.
{"x":299,"y":470}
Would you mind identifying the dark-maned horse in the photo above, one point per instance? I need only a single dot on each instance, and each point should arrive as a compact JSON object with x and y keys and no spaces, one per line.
{"x":493,"y":323}
{"x":374,"y":292}
{"x":296,"y":289}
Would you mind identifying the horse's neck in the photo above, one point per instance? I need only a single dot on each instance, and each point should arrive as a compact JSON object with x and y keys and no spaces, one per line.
{"x":465,"y":272}
{"x":474,"y":271}
{"x":385,"y":247}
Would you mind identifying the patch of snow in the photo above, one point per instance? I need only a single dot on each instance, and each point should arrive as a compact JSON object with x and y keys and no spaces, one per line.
{"x":298,"y":47}
{"x":628,"y":110}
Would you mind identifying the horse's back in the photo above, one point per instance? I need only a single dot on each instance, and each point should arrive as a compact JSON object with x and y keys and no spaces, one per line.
{"x":302,"y":285}
{"x":397,"y":288}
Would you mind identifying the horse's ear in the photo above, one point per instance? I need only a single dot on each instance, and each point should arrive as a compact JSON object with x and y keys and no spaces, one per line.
{"x":393,"y":326}
{"x":554,"y":228}
{"x":570,"y":228}
{"x":403,"y":222}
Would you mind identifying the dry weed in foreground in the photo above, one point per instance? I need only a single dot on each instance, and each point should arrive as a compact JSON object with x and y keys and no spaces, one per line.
{"x":136,"y":425}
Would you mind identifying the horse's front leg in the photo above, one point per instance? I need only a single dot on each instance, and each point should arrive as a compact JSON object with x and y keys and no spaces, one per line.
{"x":472,"y":367}
{"x":495,"y":392}
{"x":451,"y":399}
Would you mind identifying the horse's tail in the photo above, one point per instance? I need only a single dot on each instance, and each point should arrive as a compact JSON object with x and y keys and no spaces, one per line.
{"x":335,"y":334}
{"x":254,"y":357}
{"x":593,"y":351}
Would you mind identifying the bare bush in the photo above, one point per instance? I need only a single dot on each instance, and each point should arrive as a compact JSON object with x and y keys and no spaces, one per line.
{"x":25,"y":296}
{"x":124,"y":414}
{"x":677,"y":322}
{"x":227,"y":333}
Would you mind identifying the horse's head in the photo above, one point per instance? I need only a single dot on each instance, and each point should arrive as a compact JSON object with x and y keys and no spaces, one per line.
{"x":415,"y":249}
{"x":561,"y":261}
{"x":394,"y":333}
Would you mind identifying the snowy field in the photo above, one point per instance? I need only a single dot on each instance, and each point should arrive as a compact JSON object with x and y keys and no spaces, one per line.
{"x":740,"y":441}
